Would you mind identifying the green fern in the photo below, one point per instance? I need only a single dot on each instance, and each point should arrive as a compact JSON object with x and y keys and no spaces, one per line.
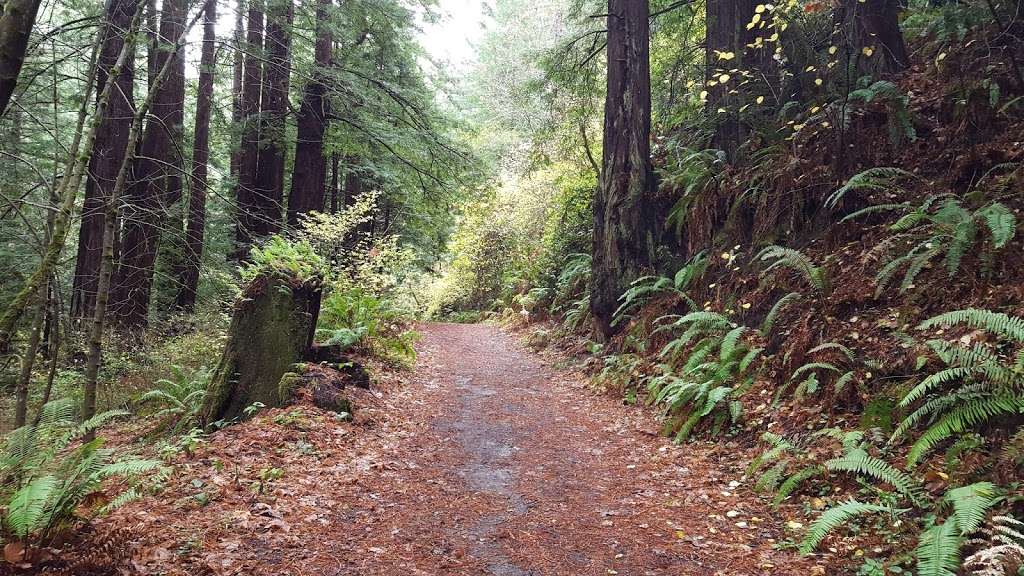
{"x":837,"y":516}
{"x":859,"y":462}
{"x":971,"y":504}
{"x":938,"y":550}
{"x":795,"y":260}
{"x":793,"y":482}
{"x":44,"y":479}
{"x":879,"y":179}
{"x":769,"y":320}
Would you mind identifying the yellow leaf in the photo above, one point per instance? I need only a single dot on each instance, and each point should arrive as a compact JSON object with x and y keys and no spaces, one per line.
{"x":723,"y":78}
{"x":868,"y":50}
{"x":726,"y":55}
{"x":755,"y":19}
{"x":760,"y":100}
{"x":703,"y":95}
{"x":815,"y":109}
{"x":940,"y":57}
{"x":759,"y":8}
{"x":832,"y":49}
{"x":721,"y":110}
{"x":818,"y":82}
{"x":809,"y":68}
{"x":726,"y":256}
{"x":746,"y":305}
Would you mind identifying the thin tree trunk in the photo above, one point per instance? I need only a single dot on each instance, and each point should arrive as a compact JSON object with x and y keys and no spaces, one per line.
{"x":157,"y":178}
{"x":53,"y":351}
{"x":95,"y":337}
{"x":334,"y":183}
{"x":78,"y":158}
{"x":623,"y":248}
{"x":269,"y":189}
{"x":310,"y":174}
{"x":250,"y":145}
{"x":188,"y":276}
{"x":106,"y":158}
{"x":16,"y":22}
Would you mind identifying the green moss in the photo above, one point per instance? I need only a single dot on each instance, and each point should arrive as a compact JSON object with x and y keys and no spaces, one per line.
{"x":286,"y":388}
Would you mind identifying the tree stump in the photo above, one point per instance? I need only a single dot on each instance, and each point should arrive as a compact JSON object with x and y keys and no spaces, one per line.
{"x":272,"y":329}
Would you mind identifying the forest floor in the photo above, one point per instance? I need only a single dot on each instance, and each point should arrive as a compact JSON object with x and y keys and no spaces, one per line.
{"x":484,"y":459}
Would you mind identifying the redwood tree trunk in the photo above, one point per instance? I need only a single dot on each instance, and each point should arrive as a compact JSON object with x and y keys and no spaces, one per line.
{"x":16,"y":22}
{"x":108,"y":153}
{"x":250,"y":145}
{"x":237,"y":114}
{"x":269,"y":189}
{"x":873,"y":36}
{"x":623,"y":231}
{"x":188,"y":276}
{"x":157,"y":178}
{"x":310,"y":173}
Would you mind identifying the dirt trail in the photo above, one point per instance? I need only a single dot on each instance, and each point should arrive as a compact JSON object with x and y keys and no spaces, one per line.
{"x":485,"y":462}
{"x":543,"y":478}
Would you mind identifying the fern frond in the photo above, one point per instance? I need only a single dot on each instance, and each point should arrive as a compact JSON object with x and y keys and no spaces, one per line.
{"x":1003,"y":325}
{"x":938,"y":551}
{"x":1002,"y":224}
{"x":836,"y":516}
{"x":861,"y":463}
{"x":971,"y":504}
{"x":773,"y":314}
{"x":963,"y":417}
{"x":793,"y":482}
{"x":833,"y":346}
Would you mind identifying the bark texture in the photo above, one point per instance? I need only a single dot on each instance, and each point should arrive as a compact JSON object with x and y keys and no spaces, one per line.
{"x":309,"y":178}
{"x":269,"y":184}
{"x":727,"y":33}
{"x":157,"y":182}
{"x":16,"y":22}
{"x":188,"y":275}
{"x":108,"y":153}
{"x":873,"y":35}
{"x":623,"y":248}
{"x":250,"y":144}
{"x":272,"y":329}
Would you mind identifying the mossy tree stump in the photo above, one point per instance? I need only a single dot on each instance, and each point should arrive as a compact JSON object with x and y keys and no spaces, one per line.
{"x":271,"y":329}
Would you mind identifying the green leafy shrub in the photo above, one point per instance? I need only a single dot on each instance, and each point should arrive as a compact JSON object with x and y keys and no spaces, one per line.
{"x":355,"y":319}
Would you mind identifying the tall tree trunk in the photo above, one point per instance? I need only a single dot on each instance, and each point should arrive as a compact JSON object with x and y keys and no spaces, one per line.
{"x":237,"y":114}
{"x":157,"y":179}
{"x":16,"y":22}
{"x":269,"y":190}
{"x":250,"y":145}
{"x":623,"y":248}
{"x":310,"y":174}
{"x":108,"y":152}
{"x":105,"y":282}
{"x":188,"y":276}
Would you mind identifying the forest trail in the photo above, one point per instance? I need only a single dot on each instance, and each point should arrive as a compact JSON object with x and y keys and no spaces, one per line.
{"x":483,"y":461}
{"x":534,"y":475}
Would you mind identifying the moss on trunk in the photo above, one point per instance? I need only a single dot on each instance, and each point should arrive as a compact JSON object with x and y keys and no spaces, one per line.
{"x":271,"y":330}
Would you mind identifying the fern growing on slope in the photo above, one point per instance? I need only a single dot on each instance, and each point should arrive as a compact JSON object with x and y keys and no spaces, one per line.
{"x":705,"y":369}
{"x":879,"y":179}
{"x":976,"y":387}
{"x":947,"y":230}
{"x":795,"y":260}
{"x":179,"y":398}
{"x":45,"y":481}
